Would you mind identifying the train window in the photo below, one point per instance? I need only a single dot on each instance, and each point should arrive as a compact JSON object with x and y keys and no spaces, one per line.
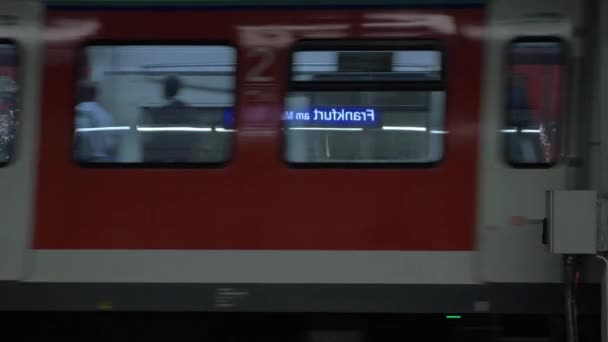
{"x":535,"y":103}
{"x":155,"y":104}
{"x":9,"y":100}
{"x":362,"y":103}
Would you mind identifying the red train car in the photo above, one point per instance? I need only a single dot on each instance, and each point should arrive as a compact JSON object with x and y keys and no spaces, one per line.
{"x":330,"y":157}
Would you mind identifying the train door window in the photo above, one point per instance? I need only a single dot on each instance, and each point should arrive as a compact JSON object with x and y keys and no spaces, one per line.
{"x":155,"y":104}
{"x":535,"y":102}
{"x":9,"y":100}
{"x":365,"y":102}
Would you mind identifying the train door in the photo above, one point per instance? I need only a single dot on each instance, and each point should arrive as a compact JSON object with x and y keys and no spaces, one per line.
{"x":19,"y":33}
{"x":525,"y":130}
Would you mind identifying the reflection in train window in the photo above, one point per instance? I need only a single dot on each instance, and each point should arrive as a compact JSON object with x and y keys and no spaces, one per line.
{"x":368,"y":106}
{"x":535,"y":103}
{"x":162,"y":104}
{"x":9,"y":101}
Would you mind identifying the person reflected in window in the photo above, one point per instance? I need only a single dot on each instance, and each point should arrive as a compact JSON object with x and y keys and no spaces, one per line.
{"x":172,"y":87}
{"x":95,"y":138}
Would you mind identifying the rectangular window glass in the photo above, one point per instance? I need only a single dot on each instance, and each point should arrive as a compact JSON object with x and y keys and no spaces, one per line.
{"x":9,"y":100}
{"x":535,"y":103}
{"x":155,"y":104}
{"x":365,"y":104}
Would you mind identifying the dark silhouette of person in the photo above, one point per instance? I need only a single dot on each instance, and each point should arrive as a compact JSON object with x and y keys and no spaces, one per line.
{"x":169,"y":146}
{"x":171,"y":88}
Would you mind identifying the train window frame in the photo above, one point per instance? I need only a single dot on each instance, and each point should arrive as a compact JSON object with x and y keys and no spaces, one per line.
{"x":20,"y":79}
{"x":82,"y":46}
{"x":565,"y":59}
{"x":367,"y":44}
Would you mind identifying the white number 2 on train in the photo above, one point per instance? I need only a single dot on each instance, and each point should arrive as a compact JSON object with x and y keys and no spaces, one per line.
{"x":265,"y":56}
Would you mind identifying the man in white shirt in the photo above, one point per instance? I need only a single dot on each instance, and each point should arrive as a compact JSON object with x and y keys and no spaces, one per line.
{"x":95,"y":141}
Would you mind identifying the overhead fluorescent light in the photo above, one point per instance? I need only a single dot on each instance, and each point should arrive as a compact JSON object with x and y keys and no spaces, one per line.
{"x":404,"y":128}
{"x":222,"y":129}
{"x":173,"y":129}
{"x":106,"y":128}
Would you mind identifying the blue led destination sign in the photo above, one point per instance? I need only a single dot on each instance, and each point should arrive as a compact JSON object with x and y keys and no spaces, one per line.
{"x":325,"y":116}
{"x":333,"y":116}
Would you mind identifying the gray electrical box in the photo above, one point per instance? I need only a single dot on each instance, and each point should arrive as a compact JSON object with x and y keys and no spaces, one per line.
{"x":571,"y":221}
